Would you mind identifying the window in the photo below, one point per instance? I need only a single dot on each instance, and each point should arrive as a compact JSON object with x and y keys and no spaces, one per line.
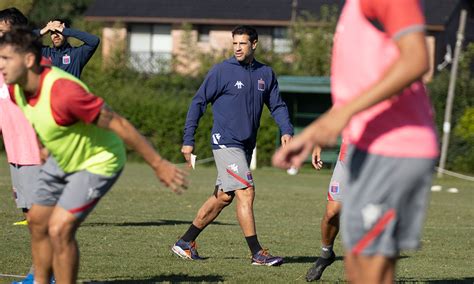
{"x":265,"y":38}
{"x":203,"y":33}
{"x":150,"y":47}
{"x":281,"y":42}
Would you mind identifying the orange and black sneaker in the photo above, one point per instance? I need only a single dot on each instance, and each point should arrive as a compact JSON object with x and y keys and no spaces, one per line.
{"x":186,"y":250}
{"x":264,"y":258}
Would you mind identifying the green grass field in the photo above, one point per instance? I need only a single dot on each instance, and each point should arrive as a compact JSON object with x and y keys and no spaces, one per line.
{"x":127,"y":238}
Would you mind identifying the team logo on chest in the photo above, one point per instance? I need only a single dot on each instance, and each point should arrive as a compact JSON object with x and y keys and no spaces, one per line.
{"x":261,"y":85}
{"x":239,"y":84}
{"x":66,"y":59}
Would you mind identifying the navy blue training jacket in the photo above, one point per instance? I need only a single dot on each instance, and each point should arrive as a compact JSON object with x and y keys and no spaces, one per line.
{"x":237,"y":93}
{"x":72,"y":59}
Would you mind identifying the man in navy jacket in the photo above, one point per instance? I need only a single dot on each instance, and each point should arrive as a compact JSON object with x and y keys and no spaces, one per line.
{"x":62,"y":54}
{"x":237,"y":88}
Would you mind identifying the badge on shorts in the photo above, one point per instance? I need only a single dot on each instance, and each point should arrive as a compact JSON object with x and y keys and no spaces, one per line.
{"x":249,"y":176}
{"x":334,"y":188}
{"x":66,"y":59}
{"x":233,"y":167}
{"x":261,"y":85}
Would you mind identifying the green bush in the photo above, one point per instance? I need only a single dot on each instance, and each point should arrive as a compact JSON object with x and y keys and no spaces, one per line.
{"x":464,"y":131}
{"x":458,"y":145}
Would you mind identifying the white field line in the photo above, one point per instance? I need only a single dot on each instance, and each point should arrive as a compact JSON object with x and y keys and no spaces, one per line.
{"x":450,"y":173}
{"x":12,"y":275}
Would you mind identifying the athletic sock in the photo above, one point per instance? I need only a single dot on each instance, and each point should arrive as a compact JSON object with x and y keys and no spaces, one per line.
{"x":253,"y":244}
{"x":32,"y":270}
{"x":191,"y":234}
{"x":326,"y":251}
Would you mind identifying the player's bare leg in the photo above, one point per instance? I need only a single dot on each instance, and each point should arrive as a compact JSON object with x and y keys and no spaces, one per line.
{"x":62,"y":230}
{"x":244,"y":208}
{"x":370,"y":269}
{"x":41,"y":248}
{"x":329,"y":231}
{"x":186,"y":247}
{"x":212,"y":208}
{"x":330,"y":223}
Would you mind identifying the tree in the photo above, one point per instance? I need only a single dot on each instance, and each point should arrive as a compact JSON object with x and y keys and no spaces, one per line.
{"x":23,"y":5}
{"x":43,"y":11}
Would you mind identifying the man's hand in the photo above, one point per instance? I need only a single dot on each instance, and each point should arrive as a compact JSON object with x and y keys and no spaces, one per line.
{"x":44,"y":154}
{"x":285,"y":139}
{"x":187,"y":150}
{"x":324,"y":131}
{"x":57,"y":26}
{"x":52,"y":26}
{"x":170,"y":175}
{"x":316,"y":158}
{"x":46,"y":28}
{"x":294,"y":153}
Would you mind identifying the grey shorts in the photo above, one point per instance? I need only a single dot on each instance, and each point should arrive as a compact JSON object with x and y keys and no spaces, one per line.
{"x":24,"y":178}
{"x":384,"y":209}
{"x":77,"y":192}
{"x":232,"y":169}
{"x":337,"y":186}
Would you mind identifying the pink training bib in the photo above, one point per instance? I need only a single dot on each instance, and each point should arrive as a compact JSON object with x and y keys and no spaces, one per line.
{"x":401,"y":126}
{"x":19,"y":136}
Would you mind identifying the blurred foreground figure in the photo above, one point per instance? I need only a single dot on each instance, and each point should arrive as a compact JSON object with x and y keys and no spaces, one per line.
{"x":379,"y":57}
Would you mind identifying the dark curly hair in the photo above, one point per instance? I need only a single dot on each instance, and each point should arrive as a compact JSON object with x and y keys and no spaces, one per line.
{"x":23,"y":40}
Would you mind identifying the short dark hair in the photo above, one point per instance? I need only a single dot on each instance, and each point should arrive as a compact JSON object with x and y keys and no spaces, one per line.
{"x":13,"y":16}
{"x":23,"y":40}
{"x":246,"y":30}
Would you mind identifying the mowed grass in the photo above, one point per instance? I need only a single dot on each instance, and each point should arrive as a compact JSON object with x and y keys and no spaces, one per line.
{"x":127,"y":238}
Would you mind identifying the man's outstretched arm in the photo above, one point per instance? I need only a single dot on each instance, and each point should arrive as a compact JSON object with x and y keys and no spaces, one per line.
{"x":168,"y":173}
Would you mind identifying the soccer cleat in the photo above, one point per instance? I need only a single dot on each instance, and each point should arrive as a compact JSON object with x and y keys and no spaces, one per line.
{"x":264,"y":258}
{"x":186,"y":250}
{"x":316,"y":271}
{"x":21,"y":223}
{"x":29,"y":279}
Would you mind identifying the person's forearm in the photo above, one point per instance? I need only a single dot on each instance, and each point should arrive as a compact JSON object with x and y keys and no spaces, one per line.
{"x":87,"y":38}
{"x":282,"y":119}
{"x":39,"y":32}
{"x":132,"y":138}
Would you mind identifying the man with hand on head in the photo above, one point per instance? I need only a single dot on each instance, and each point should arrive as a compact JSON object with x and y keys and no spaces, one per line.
{"x":71,"y":59}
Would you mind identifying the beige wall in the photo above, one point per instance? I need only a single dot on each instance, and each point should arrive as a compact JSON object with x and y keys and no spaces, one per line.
{"x":114,"y":38}
{"x":219,"y":42}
